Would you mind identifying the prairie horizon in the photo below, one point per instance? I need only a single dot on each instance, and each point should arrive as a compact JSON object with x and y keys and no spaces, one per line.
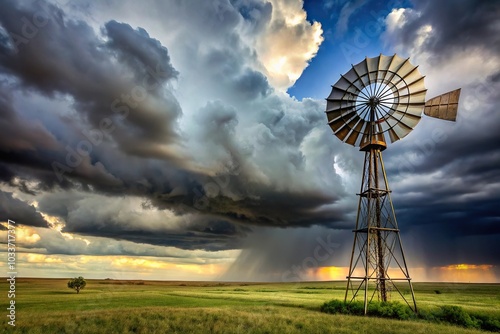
{"x":124,"y":280}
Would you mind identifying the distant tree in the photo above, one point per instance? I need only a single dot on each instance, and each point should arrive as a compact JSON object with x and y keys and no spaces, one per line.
{"x":77,"y":283}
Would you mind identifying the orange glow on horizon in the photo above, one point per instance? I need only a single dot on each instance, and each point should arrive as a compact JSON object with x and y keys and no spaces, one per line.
{"x":463,"y":266}
{"x":328,"y":273}
{"x":463,"y":272}
{"x":474,"y":273}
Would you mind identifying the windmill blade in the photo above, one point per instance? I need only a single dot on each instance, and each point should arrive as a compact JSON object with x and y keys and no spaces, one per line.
{"x":344,"y":131}
{"x":338,"y":111}
{"x":372,"y":67}
{"x":340,"y":94}
{"x":347,"y":86}
{"x":352,"y":77}
{"x":338,"y":122}
{"x":407,"y":119}
{"x":393,"y":135}
{"x":386,"y":63}
{"x":396,"y":63}
{"x":383,"y":66}
{"x":417,"y":85}
{"x":351,"y":140}
{"x":444,"y":106}
{"x":361,"y":71}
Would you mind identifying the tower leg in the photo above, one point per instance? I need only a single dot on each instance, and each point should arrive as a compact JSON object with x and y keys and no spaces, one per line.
{"x":353,"y":265}
{"x":380,"y":247}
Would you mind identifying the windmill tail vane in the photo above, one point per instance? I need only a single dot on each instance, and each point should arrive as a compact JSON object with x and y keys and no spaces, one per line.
{"x":380,"y":100}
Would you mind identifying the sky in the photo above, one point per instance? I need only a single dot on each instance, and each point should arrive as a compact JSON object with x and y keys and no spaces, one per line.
{"x":187,"y":140}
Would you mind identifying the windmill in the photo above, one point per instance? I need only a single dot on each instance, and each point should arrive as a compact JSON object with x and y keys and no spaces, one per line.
{"x":381,"y":99}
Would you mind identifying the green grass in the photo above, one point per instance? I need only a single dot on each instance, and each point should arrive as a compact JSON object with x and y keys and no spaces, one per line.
{"x":106,"y":306}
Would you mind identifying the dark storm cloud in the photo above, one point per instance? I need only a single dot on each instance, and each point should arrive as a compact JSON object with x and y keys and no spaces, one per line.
{"x":457,"y":25}
{"x":207,"y":234}
{"x":137,"y":49}
{"x":66,"y":57}
{"x":459,"y":202}
{"x":14,"y":135}
{"x":446,"y":176}
{"x":96,"y":215}
{"x":19,"y":211}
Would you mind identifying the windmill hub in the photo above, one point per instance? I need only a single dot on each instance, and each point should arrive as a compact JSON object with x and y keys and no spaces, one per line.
{"x":373,"y":102}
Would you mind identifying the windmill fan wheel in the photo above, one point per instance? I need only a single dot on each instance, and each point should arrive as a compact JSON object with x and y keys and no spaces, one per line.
{"x":377,"y":100}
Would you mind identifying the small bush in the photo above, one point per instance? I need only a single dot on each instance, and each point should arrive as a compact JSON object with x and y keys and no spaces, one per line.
{"x":489,"y":324}
{"x":392,"y":310}
{"x":334,"y":306}
{"x":457,"y":315}
{"x":337,"y":306}
{"x":427,"y":315}
{"x":357,"y":308}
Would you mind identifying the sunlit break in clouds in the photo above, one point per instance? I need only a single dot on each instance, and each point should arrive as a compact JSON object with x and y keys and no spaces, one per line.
{"x":187,"y":140}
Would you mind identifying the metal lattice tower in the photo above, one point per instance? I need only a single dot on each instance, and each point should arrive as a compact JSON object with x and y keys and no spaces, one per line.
{"x":380,"y":99}
{"x":377,"y":243}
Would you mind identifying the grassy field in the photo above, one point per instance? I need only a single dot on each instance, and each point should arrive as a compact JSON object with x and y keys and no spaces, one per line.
{"x":109,"y":306}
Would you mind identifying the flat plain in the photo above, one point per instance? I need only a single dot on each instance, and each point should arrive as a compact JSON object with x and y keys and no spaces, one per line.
{"x":133,"y":306}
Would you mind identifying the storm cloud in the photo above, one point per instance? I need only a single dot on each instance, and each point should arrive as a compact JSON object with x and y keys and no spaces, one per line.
{"x":477,"y":26}
{"x":116,"y":131}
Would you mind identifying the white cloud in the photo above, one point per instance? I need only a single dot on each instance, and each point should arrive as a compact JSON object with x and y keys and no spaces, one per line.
{"x":288,"y":43}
